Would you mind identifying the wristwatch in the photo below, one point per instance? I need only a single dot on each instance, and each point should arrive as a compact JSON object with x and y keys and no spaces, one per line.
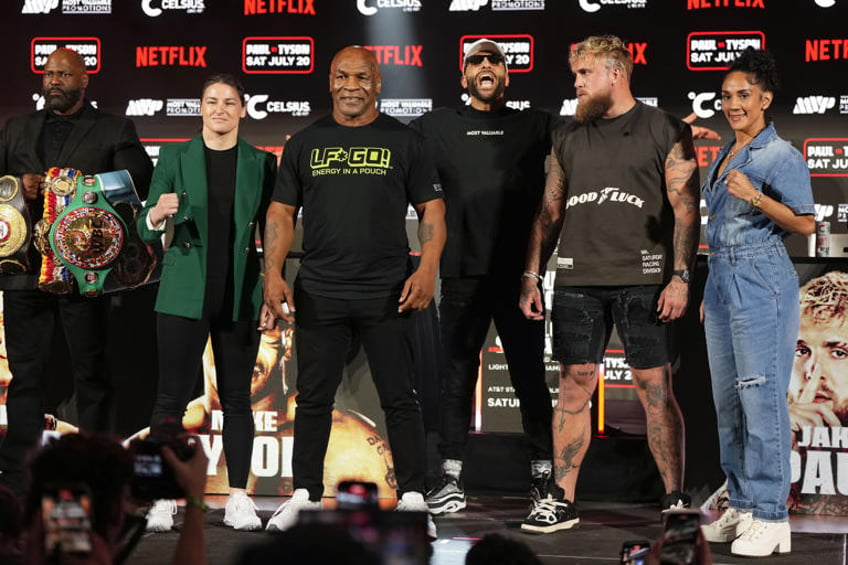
{"x":684,"y":275}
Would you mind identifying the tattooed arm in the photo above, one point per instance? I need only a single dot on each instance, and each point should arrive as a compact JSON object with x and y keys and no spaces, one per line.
{"x":279,"y":234}
{"x":544,"y":233}
{"x":419,"y":288}
{"x":681,"y":178}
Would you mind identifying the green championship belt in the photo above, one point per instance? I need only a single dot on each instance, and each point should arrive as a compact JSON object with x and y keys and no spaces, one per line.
{"x":15,"y":226}
{"x":88,"y":235}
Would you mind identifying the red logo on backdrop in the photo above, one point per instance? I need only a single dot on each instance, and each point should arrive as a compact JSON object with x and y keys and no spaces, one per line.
{"x":518,"y":49}
{"x":825,"y":50}
{"x":637,"y":51}
{"x":278,"y":55}
{"x":701,"y":4}
{"x":716,"y":50}
{"x":397,"y":54}
{"x":170,"y":56}
{"x":827,"y":156}
{"x":255,"y":7}
{"x":87,"y":47}
{"x":706,"y":154}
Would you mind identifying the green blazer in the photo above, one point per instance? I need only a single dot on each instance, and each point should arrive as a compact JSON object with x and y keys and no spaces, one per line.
{"x":182,"y":169}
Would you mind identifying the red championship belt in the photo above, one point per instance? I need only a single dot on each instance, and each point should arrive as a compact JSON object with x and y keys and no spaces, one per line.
{"x":59,"y":186}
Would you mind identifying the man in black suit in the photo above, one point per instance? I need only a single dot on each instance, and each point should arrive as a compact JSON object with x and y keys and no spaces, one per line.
{"x":69,"y":133}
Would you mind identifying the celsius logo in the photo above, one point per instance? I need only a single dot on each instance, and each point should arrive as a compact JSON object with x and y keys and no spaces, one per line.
{"x":466,"y":5}
{"x":813,"y":104}
{"x":825,"y":50}
{"x":254,"y":7}
{"x":705,"y":104}
{"x":699,"y":4}
{"x":170,"y":56}
{"x":144,"y":107}
{"x":397,"y":54}
{"x":39,"y":6}
{"x":825,"y":3}
{"x":371,"y":7}
{"x":593,"y":6}
{"x":188,"y":6}
{"x":258,"y":107}
{"x":518,"y":104}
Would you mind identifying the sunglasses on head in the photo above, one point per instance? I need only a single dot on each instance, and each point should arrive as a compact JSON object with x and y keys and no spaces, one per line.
{"x":493,"y":58}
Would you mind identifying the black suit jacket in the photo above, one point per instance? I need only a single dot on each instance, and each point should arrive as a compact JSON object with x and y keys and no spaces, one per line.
{"x":98,"y":143}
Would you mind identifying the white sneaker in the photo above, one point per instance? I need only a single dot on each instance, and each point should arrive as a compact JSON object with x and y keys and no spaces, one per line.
{"x":762,"y":539}
{"x":240,"y":513}
{"x":728,"y":527}
{"x":414,"y":502}
{"x":285,"y":516}
{"x":160,"y":517}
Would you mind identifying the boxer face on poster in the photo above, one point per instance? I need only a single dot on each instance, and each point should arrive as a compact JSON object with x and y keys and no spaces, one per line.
{"x":64,"y":82}
{"x":818,"y":392}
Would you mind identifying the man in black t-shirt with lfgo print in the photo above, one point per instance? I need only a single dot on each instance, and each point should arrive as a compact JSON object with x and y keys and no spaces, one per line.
{"x":622,"y":190}
{"x":491,"y":164}
{"x":353,"y":173}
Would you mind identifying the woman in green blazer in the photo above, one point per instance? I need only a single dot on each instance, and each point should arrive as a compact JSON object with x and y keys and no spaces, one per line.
{"x":211,"y":191}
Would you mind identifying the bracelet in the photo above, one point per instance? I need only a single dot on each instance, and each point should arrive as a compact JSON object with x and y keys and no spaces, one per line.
{"x":197,"y":503}
{"x":755,"y":201}
{"x":531,"y":275}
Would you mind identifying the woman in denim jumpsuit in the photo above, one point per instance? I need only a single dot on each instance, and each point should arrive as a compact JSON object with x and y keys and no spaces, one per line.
{"x":757,"y":192}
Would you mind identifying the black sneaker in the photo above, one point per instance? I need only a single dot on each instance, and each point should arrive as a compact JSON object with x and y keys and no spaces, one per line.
{"x":675,"y":500}
{"x":550,"y":515}
{"x":541,"y":487}
{"x":447,"y":496}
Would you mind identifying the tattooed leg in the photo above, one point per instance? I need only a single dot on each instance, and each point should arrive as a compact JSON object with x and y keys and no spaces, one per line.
{"x":572,"y":423}
{"x":666,"y":435}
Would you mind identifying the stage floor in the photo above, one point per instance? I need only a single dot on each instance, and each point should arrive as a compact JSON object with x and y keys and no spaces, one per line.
{"x":597,"y":539}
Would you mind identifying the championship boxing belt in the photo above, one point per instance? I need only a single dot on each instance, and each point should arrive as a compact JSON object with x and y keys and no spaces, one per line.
{"x":88,"y":235}
{"x":15,"y":226}
{"x":137,"y":260}
{"x":59,"y":186}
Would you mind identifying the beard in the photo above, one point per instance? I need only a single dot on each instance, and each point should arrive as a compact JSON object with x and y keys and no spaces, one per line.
{"x":61,"y":102}
{"x":592,"y":108}
{"x":486,"y":99}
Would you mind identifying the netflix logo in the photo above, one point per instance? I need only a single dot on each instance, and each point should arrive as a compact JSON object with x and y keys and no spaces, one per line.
{"x":259,"y":7}
{"x":170,"y":56}
{"x":409,"y":55}
{"x":816,"y":50}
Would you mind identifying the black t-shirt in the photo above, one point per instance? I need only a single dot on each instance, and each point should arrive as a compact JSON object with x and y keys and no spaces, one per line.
{"x":221,"y":186}
{"x":492,"y":169}
{"x":354,"y":185}
{"x":618,"y":222}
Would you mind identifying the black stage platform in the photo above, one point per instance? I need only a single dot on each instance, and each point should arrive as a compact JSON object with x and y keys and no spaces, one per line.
{"x":597,"y":539}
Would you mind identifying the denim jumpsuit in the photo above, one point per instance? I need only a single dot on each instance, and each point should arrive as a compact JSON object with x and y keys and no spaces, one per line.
{"x":751,"y":319}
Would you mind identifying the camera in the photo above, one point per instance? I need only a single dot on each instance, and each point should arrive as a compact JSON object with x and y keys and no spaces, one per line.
{"x":153,"y":478}
{"x":680,"y":536}
{"x":66,"y":515}
{"x":633,"y":552}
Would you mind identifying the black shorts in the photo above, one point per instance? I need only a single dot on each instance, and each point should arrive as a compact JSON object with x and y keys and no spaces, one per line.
{"x":583,"y":319}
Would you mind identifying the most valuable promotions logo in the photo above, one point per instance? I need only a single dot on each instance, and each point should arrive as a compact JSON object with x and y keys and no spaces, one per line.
{"x":497,"y":5}
{"x":278,"y":55}
{"x":152,"y":145}
{"x":716,"y":50}
{"x":155,"y":8}
{"x":517,"y":48}
{"x":87,"y":7}
{"x":87,"y":47}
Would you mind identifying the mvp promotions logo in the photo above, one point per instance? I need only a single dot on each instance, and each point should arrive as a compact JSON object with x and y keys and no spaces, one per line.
{"x":827,"y":156}
{"x":716,"y":50}
{"x":87,"y":47}
{"x":518,"y":49}
{"x":278,"y":55}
